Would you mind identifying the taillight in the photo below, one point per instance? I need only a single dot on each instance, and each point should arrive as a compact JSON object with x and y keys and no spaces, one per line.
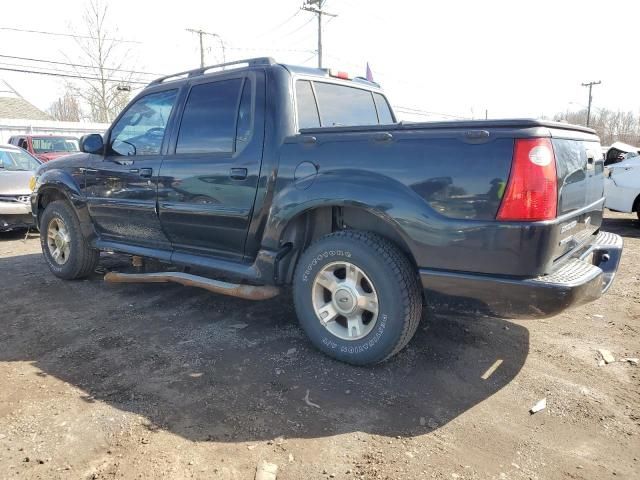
{"x":532,"y":191}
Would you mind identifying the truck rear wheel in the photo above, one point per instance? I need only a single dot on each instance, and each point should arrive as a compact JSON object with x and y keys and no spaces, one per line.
{"x":357,"y":297}
{"x":65,"y":249}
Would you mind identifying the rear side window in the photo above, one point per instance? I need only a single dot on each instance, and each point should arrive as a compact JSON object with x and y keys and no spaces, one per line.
{"x":340,"y":105}
{"x":384,"y":112}
{"x":245,"y":117}
{"x":307,"y":109}
{"x":209,"y":119}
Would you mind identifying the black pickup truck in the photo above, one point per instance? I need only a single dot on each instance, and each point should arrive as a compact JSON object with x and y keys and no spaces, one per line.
{"x":269,"y":175}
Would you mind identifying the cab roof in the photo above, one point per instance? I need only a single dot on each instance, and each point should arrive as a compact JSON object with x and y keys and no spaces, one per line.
{"x":262,"y":61}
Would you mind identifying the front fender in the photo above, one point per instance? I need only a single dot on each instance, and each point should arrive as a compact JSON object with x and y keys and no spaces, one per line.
{"x":399,"y":206}
{"x":67,"y":185}
{"x":61,"y":180}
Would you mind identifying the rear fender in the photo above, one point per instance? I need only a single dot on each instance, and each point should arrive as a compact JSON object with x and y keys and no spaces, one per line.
{"x":389,"y":200}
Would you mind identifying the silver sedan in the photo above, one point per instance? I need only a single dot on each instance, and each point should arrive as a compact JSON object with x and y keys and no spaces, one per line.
{"x":16,"y":171}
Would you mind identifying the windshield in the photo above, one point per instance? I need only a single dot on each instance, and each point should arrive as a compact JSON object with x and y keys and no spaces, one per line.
{"x":54,"y":144}
{"x":17,"y":160}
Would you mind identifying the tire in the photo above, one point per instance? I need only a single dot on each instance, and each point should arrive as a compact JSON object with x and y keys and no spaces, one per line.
{"x":75,"y":259}
{"x":386,"y":284}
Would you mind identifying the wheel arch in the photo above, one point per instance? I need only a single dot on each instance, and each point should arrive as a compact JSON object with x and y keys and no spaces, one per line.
{"x":316,"y":221}
{"x":58,"y":185}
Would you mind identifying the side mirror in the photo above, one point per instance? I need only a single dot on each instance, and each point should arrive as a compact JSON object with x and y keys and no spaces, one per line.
{"x":92,"y":143}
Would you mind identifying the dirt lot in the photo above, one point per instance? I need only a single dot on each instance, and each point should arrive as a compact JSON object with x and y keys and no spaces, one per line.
{"x":162,"y":381}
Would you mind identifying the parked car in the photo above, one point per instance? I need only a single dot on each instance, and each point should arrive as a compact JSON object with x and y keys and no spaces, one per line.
{"x":17,"y":168}
{"x":46,"y":147}
{"x":622,"y":186}
{"x":278,"y":175}
{"x":619,"y":152}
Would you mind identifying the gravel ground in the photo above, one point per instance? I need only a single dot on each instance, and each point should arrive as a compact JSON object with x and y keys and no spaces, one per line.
{"x":163,"y":381}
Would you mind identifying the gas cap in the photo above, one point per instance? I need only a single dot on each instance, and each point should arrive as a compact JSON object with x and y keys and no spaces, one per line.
{"x":304,"y":175}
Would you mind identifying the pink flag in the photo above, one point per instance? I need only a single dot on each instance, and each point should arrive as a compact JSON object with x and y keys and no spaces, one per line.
{"x":369,"y":74}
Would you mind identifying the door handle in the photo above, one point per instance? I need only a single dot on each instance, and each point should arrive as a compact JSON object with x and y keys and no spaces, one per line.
{"x":383,"y":137}
{"x":145,"y":172}
{"x":238,"y":173}
{"x":124,"y":163}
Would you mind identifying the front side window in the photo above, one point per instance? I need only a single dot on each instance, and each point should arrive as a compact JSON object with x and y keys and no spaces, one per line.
{"x":210,"y":115}
{"x":141,"y":129}
{"x":344,"y":106}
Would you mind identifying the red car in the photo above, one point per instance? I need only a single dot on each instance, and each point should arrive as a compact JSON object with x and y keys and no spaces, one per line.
{"x":46,"y":147}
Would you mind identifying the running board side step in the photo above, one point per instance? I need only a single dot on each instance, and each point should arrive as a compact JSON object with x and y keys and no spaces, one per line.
{"x":248,"y":292}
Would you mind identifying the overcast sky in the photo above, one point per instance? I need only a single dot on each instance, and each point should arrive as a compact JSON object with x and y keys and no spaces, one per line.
{"x":513,"y":58}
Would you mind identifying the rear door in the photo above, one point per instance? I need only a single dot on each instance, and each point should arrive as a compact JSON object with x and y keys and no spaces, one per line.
{"x":207,"y":185}
{"x":121,"y":186}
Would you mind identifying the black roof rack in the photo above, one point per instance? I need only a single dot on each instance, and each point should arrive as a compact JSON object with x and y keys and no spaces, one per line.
{"x":250,"y":62}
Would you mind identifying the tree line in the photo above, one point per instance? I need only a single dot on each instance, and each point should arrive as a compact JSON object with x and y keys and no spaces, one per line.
{"x":611,"y":126}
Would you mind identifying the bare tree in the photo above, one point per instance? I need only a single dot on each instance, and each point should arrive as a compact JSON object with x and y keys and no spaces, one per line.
{"x":67,"y":108}
{"x":106,"y":90}
{"x":611,"y":126}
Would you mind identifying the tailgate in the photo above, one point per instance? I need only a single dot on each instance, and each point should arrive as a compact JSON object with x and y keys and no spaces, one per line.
{"x":580,"y":168}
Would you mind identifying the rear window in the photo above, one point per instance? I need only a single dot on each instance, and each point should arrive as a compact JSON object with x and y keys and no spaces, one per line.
{"x":339,"y":105}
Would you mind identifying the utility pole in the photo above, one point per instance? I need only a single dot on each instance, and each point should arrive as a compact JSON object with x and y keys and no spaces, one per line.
{"x":315,"y":6}
{"x":590,"y":85}
{"x":201,"y":34}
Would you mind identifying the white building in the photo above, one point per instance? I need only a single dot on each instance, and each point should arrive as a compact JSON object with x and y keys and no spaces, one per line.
{"x":19,"y":117}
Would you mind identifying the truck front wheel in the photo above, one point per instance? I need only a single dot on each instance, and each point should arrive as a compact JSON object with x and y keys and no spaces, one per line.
{"x":357,"y":297}
{"x":64,"y":247}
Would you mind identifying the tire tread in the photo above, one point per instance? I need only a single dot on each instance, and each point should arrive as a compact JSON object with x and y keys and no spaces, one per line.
{"x":87,"y":257}
{"x":403,"y":272}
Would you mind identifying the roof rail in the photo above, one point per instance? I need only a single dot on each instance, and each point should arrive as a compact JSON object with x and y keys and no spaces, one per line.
{"x":250,"y":62}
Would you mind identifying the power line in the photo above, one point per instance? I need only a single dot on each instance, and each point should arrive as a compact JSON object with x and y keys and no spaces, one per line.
{"x":298,"y":29}
{"x":71,"y":35}
{"x":111,"y":80}
{"x":262,"y":49}
{"x":416,"y":111}
{"x":280,"y":25}
{"x":78,"y":65}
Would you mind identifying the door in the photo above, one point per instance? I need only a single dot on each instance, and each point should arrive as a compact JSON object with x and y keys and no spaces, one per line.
{"x":121,"y":186}
{"x":207,"y":185}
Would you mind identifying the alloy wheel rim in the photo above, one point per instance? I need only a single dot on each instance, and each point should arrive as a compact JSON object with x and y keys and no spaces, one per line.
{"x":345,"y":301}
{"x":58,"y":241}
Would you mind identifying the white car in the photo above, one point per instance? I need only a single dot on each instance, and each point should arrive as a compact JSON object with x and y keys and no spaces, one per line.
{"x":622,"y":186}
